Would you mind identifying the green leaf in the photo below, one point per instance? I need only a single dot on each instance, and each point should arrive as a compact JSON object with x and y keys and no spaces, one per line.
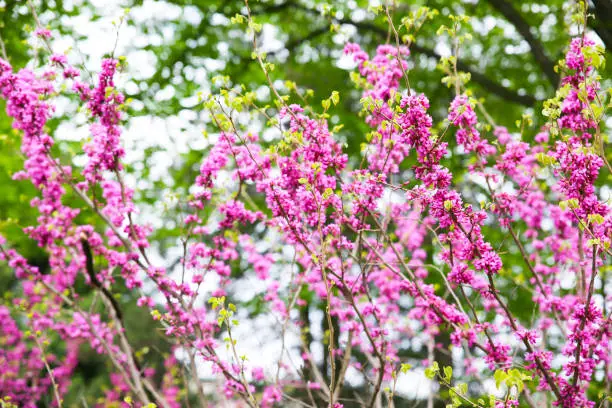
{"x":500,"y":377}
{"x":335,"y":97}
{"x":448,"y":373}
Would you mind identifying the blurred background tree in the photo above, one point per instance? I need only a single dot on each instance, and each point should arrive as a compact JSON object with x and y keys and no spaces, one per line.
{"x":175,"y":48}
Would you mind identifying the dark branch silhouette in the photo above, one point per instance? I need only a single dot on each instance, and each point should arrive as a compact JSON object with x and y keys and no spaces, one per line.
{"x":602,"y":23}
{"x":89,"y":266}
{"x":537,"y":49}
{"x":478,"y":77}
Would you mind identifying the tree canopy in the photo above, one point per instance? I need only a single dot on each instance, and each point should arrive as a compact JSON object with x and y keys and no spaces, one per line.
{"x":272,"y":154}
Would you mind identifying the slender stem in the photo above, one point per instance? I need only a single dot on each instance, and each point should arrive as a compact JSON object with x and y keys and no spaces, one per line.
{"x":586,"y":315}
{"x":50,"y":372}
{"x":3,"y":49}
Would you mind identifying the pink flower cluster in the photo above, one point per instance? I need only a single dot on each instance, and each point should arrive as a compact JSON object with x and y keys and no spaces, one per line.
{"x":392,"y":246}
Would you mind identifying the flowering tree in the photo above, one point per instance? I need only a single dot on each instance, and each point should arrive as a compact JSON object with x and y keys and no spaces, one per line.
{"x":391,"y":246}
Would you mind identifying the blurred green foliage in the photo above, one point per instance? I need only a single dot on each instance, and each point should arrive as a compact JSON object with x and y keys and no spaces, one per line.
{"x":511,"y":57}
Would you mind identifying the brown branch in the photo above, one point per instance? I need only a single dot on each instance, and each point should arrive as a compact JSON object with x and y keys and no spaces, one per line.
{"x":547,"y":65}
{"x":478,"y":77}
{"x":89,"y":266}
{"x":133,"y":363}
{"x":511,"y":319}
{"x":291,"y":44}
{"x":484,"y":81}
{"x":269,"y":9}
{"x":602,"y":23}
{"x":587,"y":312}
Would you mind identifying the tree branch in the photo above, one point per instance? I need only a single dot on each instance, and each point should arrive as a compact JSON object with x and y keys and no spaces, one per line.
{"x":89,"y":266}
{"x":602,"y":23}
{"x":478,"y":77}
{"x":481,"y":79}
{"x":537,"y":49}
